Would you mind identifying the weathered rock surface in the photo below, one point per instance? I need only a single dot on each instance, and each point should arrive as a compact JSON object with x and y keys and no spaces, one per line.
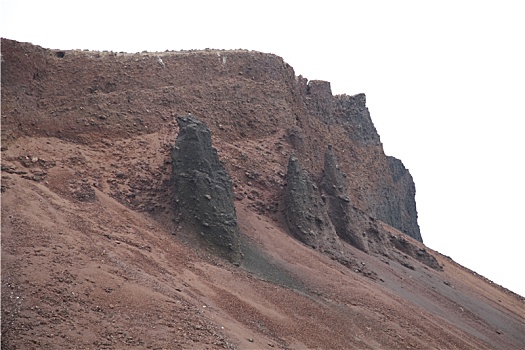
{"x":87,"y":234}
{"x":306,"y":214}
{"x":204,"y":189}
{"x":339,"y":206}
{"x":241,"y":95}
{"x":356,"y":119}
{"x":377,"y":186}
{"x":405,"y":194}
{"x":321,"y":215}
{"x":420,"y":254}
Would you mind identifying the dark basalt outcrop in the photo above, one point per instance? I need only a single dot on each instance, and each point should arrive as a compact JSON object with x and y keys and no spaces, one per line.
{"x":306,"y":214}
{"x":351,"y":224}
{"x":339,"y":206}
{"x":204,"y":189}
{"x":321,"y":215}
{"x":356,"y":119}
{"x":386,"y":190}
{"x":420,"y":254}
{"x":405,"y":190}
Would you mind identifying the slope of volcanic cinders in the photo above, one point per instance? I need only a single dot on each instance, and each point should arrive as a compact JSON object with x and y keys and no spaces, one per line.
{"x":96,"y":255}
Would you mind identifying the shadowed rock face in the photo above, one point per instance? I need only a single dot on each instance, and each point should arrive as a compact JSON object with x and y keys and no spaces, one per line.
{"x":305,"y":211}
{"x":321,"y":216}
{"x":351,"y":224}
{"x":356,"y":119}
{"x":204,"y":189}
{"x":405,"y":190}
{"x":340,"y":209}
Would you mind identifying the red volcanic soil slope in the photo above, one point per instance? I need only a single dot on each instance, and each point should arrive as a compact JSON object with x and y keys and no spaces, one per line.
{"x":94,"y":255}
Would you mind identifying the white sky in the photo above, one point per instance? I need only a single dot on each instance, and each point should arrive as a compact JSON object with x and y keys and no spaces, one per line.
{"x":445,"y":85}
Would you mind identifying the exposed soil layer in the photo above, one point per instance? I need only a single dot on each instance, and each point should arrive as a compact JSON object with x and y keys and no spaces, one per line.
{"x":96,"y":256}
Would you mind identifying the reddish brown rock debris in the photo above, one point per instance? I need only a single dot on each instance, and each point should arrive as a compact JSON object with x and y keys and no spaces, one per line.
{"x":96,"y":256}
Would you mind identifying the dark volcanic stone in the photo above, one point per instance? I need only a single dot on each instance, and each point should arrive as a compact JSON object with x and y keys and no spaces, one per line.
{"x":340,"y":209}
{"x":204,"y":188}
{"x":307,"y":217}
{"x":357,"y":120}
{"x":405,"y":196}
{"x":333,"y":181}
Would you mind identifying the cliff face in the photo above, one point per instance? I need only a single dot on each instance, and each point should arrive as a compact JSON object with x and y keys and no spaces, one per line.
{"x":240,"y":95}
{"x":405,"y":195}
{"x":389,"y":194}
{"x":340,"y":209}
{"x":307,"y":217}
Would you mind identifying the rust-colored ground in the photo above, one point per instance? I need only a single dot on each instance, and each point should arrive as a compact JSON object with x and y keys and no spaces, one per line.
{"x":80,"y":270}
{"x":94,"y":256}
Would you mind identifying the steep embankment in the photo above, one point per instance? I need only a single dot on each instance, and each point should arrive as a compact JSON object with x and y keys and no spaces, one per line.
{"x":95,"y":254}
{"x":242,"y":96}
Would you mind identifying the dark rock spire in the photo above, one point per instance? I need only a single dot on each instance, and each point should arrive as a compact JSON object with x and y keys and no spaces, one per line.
{"x":204,"y":189}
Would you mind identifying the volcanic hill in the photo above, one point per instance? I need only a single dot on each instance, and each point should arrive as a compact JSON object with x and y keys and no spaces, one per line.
{"x":213,"y":199}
